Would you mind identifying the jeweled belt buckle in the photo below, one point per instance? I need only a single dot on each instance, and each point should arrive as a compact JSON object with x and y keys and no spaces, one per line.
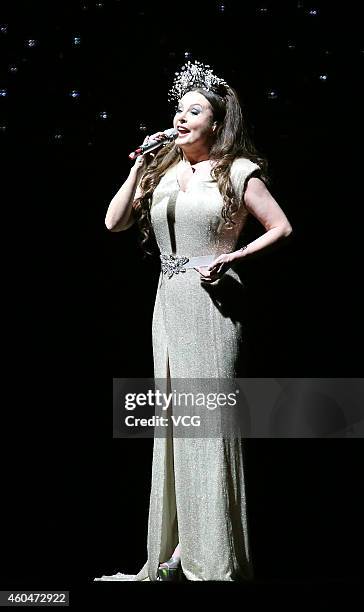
{"x":173,"y":264}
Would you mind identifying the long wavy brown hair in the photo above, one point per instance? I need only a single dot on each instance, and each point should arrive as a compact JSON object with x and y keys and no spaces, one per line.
{"x":231,"y":141}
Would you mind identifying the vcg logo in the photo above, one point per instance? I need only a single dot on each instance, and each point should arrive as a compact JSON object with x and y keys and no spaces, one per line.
{"x":186,"y":420}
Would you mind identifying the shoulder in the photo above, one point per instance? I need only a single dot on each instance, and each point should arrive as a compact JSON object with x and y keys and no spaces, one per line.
{"x":255,"y":191}
{"x":243,"y":165}
{"x":241,"y":170}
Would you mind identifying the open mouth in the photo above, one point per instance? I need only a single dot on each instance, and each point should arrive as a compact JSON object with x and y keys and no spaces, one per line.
{"x":182,"y":131}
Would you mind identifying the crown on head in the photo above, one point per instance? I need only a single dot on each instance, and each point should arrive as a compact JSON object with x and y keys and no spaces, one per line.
{"x":197,"y":75}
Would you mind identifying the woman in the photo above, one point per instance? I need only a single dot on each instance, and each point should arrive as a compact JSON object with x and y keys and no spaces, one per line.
{"x":195,"y":195}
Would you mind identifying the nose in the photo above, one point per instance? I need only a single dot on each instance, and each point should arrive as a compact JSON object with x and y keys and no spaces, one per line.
{"x":181,"y":117}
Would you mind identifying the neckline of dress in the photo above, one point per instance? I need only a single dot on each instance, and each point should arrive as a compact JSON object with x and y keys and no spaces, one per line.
{"x":194,"y":175}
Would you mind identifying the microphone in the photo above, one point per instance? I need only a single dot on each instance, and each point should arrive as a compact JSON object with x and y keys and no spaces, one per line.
{"x":170,"y":134}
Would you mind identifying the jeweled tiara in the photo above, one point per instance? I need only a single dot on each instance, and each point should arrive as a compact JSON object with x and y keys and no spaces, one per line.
{"x":197,"y":75}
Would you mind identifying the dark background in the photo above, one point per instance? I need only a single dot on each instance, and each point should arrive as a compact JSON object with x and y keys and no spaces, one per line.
{"x":79,"y":299}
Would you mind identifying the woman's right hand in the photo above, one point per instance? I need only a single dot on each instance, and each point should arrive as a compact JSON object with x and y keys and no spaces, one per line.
{"x":142,"y":161}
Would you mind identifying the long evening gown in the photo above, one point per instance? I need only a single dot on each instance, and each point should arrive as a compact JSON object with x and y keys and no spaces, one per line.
{"x":198,"y":487}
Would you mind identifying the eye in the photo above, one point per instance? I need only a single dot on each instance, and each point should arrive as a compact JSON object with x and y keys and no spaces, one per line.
{"x":194,"y":111}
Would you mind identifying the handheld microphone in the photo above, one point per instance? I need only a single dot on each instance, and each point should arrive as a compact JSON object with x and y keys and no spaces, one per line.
{"x":170,"y":134}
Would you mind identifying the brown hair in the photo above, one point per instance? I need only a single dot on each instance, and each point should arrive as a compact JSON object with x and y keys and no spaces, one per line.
{"x":231,"y":141}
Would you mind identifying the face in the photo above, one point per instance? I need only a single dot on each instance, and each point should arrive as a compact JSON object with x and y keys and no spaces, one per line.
{"x":194,"y":121}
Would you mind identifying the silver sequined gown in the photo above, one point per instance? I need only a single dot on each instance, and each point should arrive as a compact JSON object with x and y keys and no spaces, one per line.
{"x":198,"y":490}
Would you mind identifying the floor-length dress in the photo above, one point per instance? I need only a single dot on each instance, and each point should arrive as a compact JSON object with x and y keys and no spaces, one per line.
{"x":198,"y":486}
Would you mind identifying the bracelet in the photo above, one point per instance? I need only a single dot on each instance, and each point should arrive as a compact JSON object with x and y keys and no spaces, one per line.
{"x":243,"y":247}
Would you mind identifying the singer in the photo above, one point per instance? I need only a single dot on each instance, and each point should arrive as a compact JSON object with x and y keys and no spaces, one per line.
{"x":195,"y":195}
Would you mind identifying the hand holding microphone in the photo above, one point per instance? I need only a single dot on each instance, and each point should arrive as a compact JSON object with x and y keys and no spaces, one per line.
{"x":154,"y":142}
{"x":143,"y":159}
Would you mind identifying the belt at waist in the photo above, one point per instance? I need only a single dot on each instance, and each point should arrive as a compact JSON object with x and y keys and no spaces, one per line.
{"x":173,"y":264}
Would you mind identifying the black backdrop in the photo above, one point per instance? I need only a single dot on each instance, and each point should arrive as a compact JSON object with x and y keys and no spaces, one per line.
{"x":79,"y":299}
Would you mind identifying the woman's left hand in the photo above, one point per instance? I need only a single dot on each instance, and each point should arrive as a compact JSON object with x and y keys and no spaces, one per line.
{"x":217,"y":268}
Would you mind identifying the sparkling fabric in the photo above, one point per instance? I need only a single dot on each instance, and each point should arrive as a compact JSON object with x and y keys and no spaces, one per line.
{"x":198,"y":487}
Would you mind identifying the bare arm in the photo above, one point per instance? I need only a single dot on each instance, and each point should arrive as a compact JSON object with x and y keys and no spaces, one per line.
{"x":120,"y":214}
{"x":260,"y":203}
